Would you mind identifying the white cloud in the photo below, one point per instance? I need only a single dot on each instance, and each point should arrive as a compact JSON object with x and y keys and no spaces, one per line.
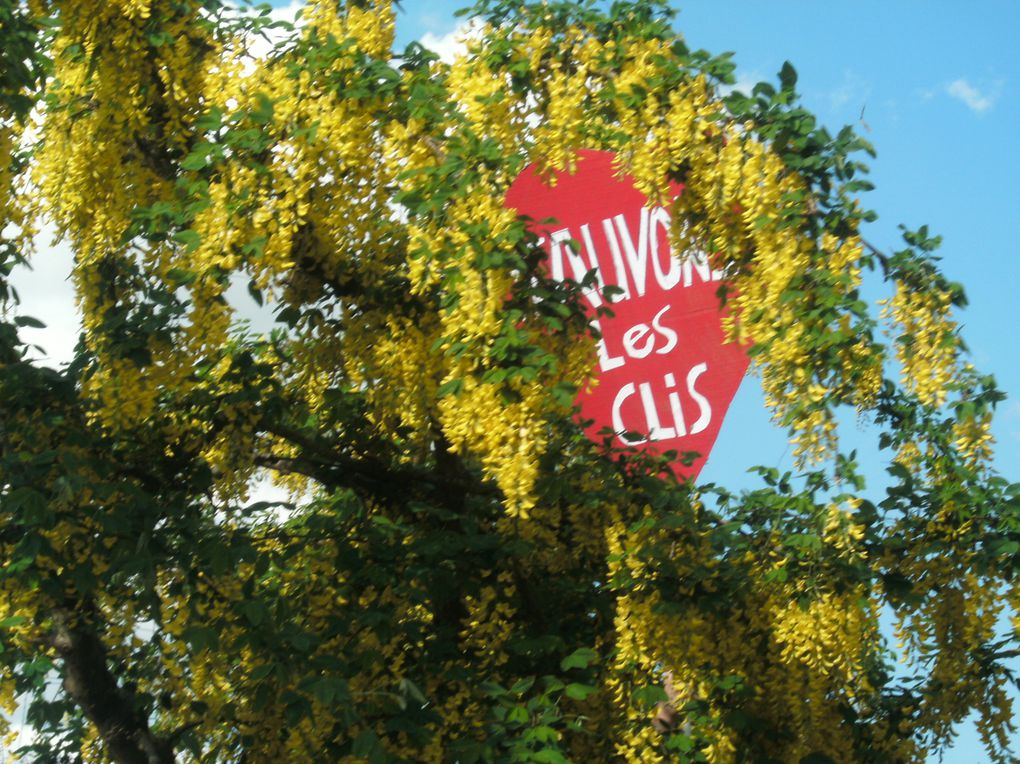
{"x":451,"y":44}
{"x":47,"y":294}
{"x":262,"y":44}
{"x":975,"y":100}
{"x":287,"y":12}
{"x":22,"y":733}
{"x":852,"y":92}
{"x":432,"y":21}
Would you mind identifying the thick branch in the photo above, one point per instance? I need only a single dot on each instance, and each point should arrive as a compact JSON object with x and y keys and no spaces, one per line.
{"x":392,"y":291}
{"x":89,"y":682}
{"x":319,"y":461}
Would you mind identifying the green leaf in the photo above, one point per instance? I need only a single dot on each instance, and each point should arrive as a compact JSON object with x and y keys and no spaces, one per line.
{"x":190,"y":239}
{"x":255,"y":293}
{"x":680,"y":742}
{"x":201,"y":638}
{"x":195,"y":161}
{"x":577,"y":691}
{"x":211,"y":121}
{"x":263,"y":112}
{"x":495,"y":376}
{"x":181,"y":277}
{"x":450,"y":387}
{"x":522,"y":685}
{"x":261,"y":672}
{"x":289,"y":315}
{"x":649,"y":696}
{"x":518,"y":715}
{"x":330,"y":690}
{"x":254,"y":611}
{"x":788,"y":76}
{"x":580,"y":659}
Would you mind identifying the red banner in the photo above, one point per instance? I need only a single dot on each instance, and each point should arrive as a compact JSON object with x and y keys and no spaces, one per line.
{"x":665,"y":375}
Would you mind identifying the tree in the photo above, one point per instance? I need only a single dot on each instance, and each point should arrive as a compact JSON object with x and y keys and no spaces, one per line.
{"x":463,"y":576}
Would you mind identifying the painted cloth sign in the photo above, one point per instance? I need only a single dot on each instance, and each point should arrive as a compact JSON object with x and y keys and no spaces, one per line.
{"x":665,"y":375}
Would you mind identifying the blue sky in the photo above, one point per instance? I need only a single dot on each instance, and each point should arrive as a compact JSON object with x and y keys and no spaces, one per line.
{"x":933,"y":84}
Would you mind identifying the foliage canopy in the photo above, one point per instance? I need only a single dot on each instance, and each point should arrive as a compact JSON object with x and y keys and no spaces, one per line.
{"x":463,"y":576}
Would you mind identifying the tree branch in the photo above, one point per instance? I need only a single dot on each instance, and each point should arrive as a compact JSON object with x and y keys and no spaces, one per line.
{"x":323,"y":463}
{"x":88,"y":681}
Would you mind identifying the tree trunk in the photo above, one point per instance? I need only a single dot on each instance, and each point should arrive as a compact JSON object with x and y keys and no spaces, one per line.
{"x":88,"y":681}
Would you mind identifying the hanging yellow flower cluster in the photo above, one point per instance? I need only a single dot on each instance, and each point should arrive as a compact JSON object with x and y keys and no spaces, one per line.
{"x":928,"y":354}
{"x":106,"y":148}
{"x":791,"y":652}
{"x":928,"y":350}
